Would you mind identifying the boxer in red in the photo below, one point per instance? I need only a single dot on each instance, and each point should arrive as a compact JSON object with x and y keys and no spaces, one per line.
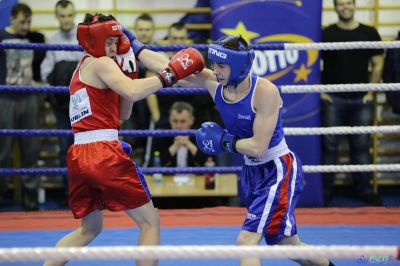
{"x":102,"y":91}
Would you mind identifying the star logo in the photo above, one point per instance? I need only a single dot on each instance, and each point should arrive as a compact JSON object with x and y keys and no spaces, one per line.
{"x":241,"y":30}
{"x":302,"y":73}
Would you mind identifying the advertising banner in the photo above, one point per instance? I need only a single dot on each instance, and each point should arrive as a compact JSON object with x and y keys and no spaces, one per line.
{"x":283,"y":21}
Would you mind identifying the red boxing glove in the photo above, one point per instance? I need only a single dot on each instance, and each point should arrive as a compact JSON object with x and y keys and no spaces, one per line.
{"x":184,"y":63}
{"x":123,"y":45}
{"x":128,"y":64}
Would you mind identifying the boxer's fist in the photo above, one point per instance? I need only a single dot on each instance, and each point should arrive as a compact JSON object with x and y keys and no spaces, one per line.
{"x":184,"y":63}
{"x":123,"y":45}
{"x":136,"y":45}
{"x":127,"y":63}
{"x":213,"y":139}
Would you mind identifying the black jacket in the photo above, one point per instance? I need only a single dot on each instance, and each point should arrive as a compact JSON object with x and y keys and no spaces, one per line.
{"x":391,"y":74}
{"x":38,"y":55}
{"x":61,"y":76}
{"x":162,"y":145}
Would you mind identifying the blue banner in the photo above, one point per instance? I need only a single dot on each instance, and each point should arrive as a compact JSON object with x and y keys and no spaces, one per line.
{"x":283,"y":21}
{"x":5,"y":10}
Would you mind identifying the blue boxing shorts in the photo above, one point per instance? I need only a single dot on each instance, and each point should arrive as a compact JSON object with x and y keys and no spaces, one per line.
{"x":271,"y":191}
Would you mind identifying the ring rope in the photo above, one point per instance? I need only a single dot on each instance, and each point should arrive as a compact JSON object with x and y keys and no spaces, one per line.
{"x":195,"y":252}
{"x":283,"y":88}
{"x":340,"y":45}
{"x":204,"y":47}
{"x":219,"y":169}
{"x":340,"y":87}
{"x":341,"y":130}
{"x":289,"y":131}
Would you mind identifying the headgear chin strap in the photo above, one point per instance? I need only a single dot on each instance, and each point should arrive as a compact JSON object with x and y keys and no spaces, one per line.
{"x":239,"y":60}
{"x":93,"y":36}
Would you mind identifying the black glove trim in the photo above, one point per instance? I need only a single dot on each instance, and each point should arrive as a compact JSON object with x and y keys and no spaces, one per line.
{"x":167,"y":77}
{"x":234,"y":144}
{"x":161,"y":79}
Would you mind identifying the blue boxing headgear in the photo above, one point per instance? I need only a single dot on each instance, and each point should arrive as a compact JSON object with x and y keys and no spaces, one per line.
{"x":240,"y":60}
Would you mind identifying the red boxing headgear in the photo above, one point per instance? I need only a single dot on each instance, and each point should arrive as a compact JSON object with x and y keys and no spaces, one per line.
{"x":93,"y":36}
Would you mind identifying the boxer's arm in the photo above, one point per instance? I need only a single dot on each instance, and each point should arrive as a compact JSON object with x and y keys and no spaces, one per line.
{"x":125,"y":109}
{"x":267,"y":103}
{"x":205,"y":79}
{"x":153,"y":61}
{"x":104,"y":70}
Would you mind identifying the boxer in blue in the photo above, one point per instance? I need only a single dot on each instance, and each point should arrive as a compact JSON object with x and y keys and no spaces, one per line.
{"x":272,"y":177}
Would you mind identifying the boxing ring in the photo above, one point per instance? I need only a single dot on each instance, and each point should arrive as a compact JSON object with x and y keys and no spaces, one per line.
{"x":376,"y":241}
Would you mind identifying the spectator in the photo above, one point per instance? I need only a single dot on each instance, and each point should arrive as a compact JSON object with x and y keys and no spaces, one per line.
{"x":179,"y":151}
{"x":159,"y":106}
{"x":38,"y":56}
{"x":17,"y":110}
{"x":177,"y":34}
{"x":57,"y":69}
{"x":349,"y":108}
{"x":144,"y":29}
{"x":391,"y":74}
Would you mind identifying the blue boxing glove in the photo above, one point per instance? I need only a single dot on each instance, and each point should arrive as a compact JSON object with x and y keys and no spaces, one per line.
{"x":213,"y":139}
{"x":126,"y":147}
{"x":136,"y":45}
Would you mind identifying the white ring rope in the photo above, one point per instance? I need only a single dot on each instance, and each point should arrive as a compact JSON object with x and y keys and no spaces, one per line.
{"x":341,"y":130}
{"x":196,"y":252}
{"x":351,"y":168}
{"x":341,"y":45}
{"x":340,"y":87}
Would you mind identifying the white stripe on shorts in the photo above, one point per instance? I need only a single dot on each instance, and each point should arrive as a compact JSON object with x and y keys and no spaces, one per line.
{"x":288,"y":228}
{"x":271,"y":196}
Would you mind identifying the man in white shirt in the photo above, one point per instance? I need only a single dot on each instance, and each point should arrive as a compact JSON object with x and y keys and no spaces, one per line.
{"x":65,"y":14}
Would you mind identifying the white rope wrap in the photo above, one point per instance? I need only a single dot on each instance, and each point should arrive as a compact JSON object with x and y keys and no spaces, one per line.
{"x":340,"y":130}
{"x":340,"y":87}
{"x":341,"y":45}
{"x":194,"y":252}
{"x":351,"y":168}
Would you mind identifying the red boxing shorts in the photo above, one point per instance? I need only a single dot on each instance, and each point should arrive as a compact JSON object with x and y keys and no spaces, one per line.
{"x":100,"y":172}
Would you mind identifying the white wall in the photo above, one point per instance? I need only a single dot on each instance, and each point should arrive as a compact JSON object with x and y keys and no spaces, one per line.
{"x":124,"y":18}
{"x":328,"y":17}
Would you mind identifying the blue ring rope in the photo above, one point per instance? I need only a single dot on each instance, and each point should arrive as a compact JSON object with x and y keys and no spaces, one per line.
{"x":153,"y":47}
{"x":65,"y":89}
{"x":148,"y":170}
{"x":122,"y":133}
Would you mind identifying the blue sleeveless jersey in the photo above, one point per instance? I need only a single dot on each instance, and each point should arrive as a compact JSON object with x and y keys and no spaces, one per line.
{"x":239,"y":116}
